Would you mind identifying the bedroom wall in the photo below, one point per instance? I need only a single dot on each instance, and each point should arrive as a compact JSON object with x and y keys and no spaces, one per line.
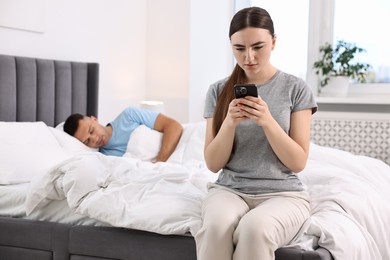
{"x":187,"y":50}
{"x":112,"y":33}
{"x":166,"y":50}
{"x":210,"y":55}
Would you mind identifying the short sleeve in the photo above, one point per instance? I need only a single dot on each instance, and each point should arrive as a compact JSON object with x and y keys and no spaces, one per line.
{"x":142,"y":116}
{"x":212,"y":96}
{"x":304,"y":98}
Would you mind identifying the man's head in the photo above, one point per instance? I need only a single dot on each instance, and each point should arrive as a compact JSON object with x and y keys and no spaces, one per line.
{"x":87,"y":130}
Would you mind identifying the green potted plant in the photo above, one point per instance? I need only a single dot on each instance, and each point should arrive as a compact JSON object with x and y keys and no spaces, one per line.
{"x":339,"y":61}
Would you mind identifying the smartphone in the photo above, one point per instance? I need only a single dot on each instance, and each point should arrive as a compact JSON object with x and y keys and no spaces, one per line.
{"x":243,"y":90}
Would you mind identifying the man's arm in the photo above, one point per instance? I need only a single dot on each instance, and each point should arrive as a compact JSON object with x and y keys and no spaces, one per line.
{"x":172,"y":131}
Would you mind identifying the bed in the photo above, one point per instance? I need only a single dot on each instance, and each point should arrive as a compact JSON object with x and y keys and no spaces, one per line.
{"x":68,"y":207}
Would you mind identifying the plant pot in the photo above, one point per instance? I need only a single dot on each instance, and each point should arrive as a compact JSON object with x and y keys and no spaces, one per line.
{"x":337,"y":86}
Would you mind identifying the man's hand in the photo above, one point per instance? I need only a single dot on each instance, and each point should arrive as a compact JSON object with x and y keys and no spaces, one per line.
{"x":172,"y":131}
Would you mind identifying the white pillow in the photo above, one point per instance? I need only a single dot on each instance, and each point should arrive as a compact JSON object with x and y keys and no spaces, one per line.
{"x":145,"y":143}
{"x":27,"y":149}
{"x":191,"y":143}
{"x":60,"y":126}
{"x":70,"y":143}
{"x":23,"y":133}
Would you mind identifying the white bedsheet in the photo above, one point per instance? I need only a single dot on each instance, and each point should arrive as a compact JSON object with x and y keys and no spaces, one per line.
{"x":12,"y":199}
{"x":12,"y":204}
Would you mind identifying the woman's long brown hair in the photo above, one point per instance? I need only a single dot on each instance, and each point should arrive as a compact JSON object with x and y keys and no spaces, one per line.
{"x":248,"y":17}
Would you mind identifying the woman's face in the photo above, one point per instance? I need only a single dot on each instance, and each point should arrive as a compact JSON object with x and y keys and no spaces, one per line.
{"x":252,"y":49}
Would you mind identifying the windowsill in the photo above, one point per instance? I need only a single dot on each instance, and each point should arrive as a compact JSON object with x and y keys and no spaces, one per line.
{"x":358,"y":99}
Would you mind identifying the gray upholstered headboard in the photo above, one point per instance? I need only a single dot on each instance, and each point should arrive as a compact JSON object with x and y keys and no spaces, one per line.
{"x":46,"y":90}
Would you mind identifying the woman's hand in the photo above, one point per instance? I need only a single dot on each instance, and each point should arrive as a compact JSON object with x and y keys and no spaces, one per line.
{"x":254,"y":108}
{"x":235,"y":114}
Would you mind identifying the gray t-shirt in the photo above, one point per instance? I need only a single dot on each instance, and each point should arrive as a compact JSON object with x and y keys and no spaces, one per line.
{"x":253,"y":167}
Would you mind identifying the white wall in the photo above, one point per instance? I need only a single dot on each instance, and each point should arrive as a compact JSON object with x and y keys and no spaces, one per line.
{"x":167,"y":55}
{"x":210,"y":54}
{"x":166,"y":50}
{"x":187,"y":50}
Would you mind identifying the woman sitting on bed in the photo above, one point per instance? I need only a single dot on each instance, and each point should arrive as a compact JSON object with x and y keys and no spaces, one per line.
{"x":256,"y":144}
{"x":113,"y":138}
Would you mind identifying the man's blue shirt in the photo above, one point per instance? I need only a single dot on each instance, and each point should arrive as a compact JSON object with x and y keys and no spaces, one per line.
{"x":124,"y":125}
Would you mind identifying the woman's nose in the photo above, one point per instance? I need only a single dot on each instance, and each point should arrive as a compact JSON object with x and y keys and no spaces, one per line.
{"x":249,"y":55}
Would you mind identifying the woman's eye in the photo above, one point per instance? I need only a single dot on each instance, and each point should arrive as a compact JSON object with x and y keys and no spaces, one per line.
{"x":257,"y":47}
{"x":240,"y":49}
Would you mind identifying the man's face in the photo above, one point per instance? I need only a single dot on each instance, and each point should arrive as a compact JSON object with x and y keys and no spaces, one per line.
{"x":91,"y":133}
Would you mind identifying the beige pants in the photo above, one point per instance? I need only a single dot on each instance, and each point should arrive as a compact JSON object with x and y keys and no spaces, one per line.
{"x":244,"y":227}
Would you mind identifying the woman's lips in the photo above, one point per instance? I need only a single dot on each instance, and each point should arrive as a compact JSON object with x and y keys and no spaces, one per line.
{"x":250,"y":66}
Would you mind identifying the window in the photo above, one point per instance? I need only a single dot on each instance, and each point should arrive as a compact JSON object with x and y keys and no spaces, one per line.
{"x":298,"y":23}
{"x":366,"y":25}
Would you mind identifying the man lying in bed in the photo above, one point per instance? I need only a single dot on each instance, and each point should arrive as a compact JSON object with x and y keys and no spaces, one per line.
{"x":112,"y":139}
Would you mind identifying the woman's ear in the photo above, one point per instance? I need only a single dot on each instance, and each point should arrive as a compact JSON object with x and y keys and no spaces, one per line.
{"x":273,"y":41}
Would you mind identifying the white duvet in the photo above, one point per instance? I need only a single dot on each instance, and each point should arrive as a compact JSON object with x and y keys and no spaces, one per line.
{"x":350,"y":194}
{"x":130,"y":192}
{"x":350,"y":204}
{"x":126,"y":192}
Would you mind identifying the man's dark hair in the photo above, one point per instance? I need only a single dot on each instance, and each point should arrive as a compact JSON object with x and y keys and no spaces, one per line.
{"x":72,"y":123}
